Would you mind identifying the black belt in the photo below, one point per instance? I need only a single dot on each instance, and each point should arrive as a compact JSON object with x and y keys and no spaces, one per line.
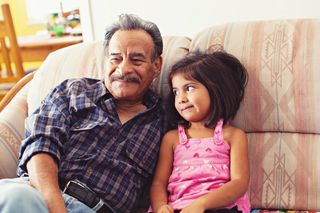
{"x":85,"y":195}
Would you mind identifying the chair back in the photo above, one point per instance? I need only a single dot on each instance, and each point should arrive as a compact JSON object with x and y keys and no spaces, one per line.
{"x":11,"y":69}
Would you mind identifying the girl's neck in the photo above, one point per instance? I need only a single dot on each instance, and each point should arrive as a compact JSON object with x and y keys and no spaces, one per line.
{"x":197,"y":126}
{"x":199,"y":131}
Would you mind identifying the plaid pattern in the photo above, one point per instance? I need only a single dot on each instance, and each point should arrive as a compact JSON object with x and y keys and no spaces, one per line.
{"x":78,"y":125}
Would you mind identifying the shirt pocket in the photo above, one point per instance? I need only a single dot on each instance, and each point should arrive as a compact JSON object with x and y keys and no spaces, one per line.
{"x":84,"y":136}
{"x":88,"y":119}
{"x":143,"y":153}
{"x":89,"y":122}
{"x":84,"y":125}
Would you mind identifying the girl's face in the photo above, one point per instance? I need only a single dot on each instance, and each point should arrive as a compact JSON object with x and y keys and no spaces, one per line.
{"x":192,"y":99}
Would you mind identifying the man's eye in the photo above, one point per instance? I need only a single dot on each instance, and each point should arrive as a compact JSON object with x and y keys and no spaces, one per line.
{"x":113,"y":60}
{"x":137,"y":60}
{"x":190,"y":88}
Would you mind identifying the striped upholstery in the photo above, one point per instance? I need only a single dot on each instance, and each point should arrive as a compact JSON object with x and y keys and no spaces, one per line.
{"x":12,"y":132}
{"x":279,"y":112}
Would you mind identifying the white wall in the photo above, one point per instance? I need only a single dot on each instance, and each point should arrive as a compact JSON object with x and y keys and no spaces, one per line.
{"x":187,"y":17}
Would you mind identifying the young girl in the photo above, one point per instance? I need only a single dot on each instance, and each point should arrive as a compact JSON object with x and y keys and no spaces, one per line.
{"x":203,"y":165}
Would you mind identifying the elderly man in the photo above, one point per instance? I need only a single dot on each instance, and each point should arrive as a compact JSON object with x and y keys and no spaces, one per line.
{"x":92,"y":145}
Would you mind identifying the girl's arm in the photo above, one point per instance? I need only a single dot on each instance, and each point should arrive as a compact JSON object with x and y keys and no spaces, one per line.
{"x":239,"y":176}
{"x":158,"y":191}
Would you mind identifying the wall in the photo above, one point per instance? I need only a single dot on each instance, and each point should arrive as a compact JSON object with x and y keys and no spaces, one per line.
{"x":20,"y":20}
{"x":187,"y":17}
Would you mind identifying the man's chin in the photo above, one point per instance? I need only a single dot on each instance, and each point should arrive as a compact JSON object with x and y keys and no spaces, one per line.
{"x":126,"y":95}
{"x":126,"y":91}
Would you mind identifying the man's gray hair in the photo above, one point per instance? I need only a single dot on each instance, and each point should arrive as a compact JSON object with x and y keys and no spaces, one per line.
{"x":133,"y":22}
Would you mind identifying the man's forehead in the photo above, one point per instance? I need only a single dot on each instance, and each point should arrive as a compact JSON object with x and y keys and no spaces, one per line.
{"x":130,"y":42}
{"x":129,"y":50}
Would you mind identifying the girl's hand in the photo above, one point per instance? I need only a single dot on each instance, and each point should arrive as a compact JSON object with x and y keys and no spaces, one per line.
{"x":165,"y":209}
{"x":193,"y":208}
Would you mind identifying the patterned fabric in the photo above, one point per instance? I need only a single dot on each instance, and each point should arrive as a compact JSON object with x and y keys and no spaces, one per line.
{"x":201,"y":165}
{"x":78,"y":125}
{"x":12,"y":132}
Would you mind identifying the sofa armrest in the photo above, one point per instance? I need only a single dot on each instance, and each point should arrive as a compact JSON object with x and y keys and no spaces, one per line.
{"x":12,"y":132}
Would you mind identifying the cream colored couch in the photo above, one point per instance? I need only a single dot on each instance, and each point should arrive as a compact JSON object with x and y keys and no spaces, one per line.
{"x":279,"y":113}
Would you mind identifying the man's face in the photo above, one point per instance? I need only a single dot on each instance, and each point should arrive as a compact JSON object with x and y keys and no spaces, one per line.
{"x":130,"y":68}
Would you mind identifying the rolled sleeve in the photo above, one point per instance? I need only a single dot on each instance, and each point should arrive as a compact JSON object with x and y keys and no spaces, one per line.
{"x":46,"y":130}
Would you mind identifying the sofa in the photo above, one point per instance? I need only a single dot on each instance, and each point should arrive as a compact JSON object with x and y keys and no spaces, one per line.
{"x":279,"y":113}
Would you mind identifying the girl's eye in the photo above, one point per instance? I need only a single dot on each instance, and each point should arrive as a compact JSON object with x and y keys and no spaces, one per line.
{"x":175,"y":92}
{"x":189,"y":88}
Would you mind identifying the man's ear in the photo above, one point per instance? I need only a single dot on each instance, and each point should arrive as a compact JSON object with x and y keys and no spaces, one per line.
{"x":157,"y":66}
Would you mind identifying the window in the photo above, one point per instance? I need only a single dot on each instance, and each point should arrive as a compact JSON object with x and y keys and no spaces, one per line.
{"x":38,"y":11}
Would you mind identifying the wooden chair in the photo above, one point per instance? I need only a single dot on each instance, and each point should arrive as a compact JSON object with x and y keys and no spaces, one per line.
{"x":11,"y":69}
{"x":15,"y":89}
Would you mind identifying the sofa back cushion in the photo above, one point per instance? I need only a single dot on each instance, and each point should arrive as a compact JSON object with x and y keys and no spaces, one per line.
{"x":280,"y":108}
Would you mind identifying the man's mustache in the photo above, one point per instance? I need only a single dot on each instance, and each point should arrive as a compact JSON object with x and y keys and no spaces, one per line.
{"x":132,"y":78}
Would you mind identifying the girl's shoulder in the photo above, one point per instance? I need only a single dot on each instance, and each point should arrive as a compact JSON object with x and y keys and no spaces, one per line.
{"x":231,"y":133}
{"x":171,"y":137}
{"x":172,"y":133}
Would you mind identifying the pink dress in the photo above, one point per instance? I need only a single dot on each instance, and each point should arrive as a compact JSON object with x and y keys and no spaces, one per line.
{"x":200,"y":166}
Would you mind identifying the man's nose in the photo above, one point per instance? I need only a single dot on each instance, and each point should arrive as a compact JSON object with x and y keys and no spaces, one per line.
{"x":124,"y":67}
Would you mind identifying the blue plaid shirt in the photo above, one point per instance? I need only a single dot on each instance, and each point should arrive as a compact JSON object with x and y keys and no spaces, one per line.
{"x":78,"y":126}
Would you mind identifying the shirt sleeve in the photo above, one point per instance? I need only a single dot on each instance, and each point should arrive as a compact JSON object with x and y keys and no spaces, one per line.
{"x":47,"y":128}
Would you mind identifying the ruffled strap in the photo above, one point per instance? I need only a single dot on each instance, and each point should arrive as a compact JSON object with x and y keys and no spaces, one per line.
{"x":218,"y":134}
{"x":183,"y":139}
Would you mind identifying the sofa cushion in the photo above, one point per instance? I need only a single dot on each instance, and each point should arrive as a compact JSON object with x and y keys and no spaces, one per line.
{"x":284,"y":170}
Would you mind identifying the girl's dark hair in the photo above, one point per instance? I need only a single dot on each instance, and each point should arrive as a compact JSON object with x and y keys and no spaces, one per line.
{"x":224,"y":77}
{"x":132,"y":22}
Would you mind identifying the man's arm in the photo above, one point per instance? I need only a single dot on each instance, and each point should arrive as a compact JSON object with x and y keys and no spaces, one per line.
{"x":40,"y":152}
{"x":43,"y":173}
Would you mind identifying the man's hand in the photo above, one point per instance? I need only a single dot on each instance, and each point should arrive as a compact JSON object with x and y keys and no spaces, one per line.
{"x":54,"y":201}
{"x":43,"y":173}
